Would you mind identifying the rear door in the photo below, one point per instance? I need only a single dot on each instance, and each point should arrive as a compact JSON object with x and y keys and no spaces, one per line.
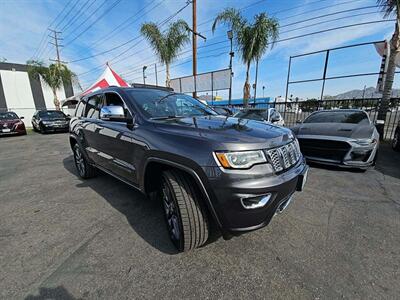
{"x":90,"y":127}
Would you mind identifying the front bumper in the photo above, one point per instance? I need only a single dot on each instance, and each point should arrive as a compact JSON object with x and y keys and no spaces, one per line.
{"x":229,"y":189}
{"x":56,"y":128}
{"x":354,"y":156}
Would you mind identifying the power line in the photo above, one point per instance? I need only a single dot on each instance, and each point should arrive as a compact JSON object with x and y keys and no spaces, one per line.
{"x":131,"y":40}
{"x":43,"y":40}
{"x":330,"y":14}
{"x":128,"y":21}
{"x":76,"y":16}
{"x":62,"y":20}
{"x":94,"y":22}
{"x":328,"y":21}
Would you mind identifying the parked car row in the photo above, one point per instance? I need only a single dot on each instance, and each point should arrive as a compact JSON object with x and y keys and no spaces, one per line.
{"x":43,"y":121}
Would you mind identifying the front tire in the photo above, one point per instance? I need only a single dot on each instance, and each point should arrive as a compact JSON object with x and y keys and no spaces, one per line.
{"x":185,"y":215}
{"x":85,"y":170}
{"x":396,"y":141}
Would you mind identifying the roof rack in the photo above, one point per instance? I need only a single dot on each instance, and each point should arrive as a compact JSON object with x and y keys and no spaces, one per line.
{"x":151,"y":86}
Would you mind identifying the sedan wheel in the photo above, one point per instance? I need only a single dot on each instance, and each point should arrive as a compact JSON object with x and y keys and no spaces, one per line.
{"x":396,"y":141}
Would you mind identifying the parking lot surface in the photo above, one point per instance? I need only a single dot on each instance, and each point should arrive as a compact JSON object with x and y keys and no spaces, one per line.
{"x":65,"y":238}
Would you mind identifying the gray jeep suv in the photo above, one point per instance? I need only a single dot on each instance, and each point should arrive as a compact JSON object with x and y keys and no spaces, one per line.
{"x":205,"y":168}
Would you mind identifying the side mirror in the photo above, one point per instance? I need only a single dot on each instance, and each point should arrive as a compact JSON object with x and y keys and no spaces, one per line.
{"x":21,"y":118}
{"x":112,"y":113}
{"x":275,"y":119}
{"x":299,"y":122}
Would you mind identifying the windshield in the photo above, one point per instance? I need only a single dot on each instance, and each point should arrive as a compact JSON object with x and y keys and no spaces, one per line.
{"x":351,"y":117}
{"x":51,"y":114}
{"x":259,"y":115}
{"x":159,"y":104}
{"x":8,"y":116}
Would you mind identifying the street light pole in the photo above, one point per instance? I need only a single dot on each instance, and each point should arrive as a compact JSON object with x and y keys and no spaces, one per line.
{"x":255,"y":83}
{"x":144,"y":74}
{"x":194,"y":42}
{"x":231,"y":54}
{"x":155,"y":70}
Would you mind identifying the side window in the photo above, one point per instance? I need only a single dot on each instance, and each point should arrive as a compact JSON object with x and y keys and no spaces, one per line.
{"x":93,"y":106}
{"x":80,"y":109}
{"x":113,"y":99}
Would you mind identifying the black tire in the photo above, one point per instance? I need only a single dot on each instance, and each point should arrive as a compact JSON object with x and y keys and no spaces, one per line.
{"x":85,"y":169}
{"x":34,"y":128}
{"x":184,"y":212}
{"x":41,"y":129}
{"x":396,"y":141}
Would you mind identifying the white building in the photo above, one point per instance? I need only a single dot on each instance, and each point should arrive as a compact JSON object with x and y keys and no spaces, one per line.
{"x":23,"y":94}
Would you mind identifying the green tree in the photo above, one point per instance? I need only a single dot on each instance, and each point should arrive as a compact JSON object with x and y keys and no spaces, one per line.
{"x":390,"y":8}
{"x":251,"y":39}
{"x":54,"y":76}
{"x":167,"y":44}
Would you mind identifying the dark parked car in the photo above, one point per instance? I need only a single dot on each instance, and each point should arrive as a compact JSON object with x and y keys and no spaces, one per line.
{"x":267,"y":115}
{"x":11,"y":124}
{"x":344,"y":137}
{"x":46,"y":121}
{"x":396,"y":138}
{"x":202,"y":166}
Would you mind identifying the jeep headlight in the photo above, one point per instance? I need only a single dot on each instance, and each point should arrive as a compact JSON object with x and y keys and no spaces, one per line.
{"x":240,"y":160}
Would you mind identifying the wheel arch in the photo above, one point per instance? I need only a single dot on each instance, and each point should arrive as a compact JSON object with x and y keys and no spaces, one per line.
{"x":156,"y":165}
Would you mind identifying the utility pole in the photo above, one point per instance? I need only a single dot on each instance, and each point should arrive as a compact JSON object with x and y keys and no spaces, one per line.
{"x":194,"y":40}
{"x":56,"y":43}
{"x":144,"y":75}
{"x":155,"y":70}
{"x":231,"y":54}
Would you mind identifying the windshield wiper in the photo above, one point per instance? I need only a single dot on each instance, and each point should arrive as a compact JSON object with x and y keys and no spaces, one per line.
{"x":166,"y":96}
{"x":165,"y":117}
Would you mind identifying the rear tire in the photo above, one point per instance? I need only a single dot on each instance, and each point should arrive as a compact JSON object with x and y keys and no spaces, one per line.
{"x":85,"y":170}
{"x":396,"y":141}
{"x":184,"y":212}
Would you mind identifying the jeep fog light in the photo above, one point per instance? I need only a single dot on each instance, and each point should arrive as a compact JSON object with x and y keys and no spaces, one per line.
{"x":255,"y":202}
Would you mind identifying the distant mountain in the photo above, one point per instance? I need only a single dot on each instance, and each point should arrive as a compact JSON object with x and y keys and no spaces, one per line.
{"x":357,"y":94}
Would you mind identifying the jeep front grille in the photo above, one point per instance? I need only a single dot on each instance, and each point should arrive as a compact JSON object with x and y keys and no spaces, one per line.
{"x":284,"y":157}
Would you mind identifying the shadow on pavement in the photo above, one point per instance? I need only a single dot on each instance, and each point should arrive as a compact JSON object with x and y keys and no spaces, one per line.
{"x":388,"y":161}
{"x":59,"y":293}
{"x":144,"y":216}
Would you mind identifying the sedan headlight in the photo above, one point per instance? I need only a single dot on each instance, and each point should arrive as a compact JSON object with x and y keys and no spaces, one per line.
{"x":364,"y":142}
{"x":240,"y":160}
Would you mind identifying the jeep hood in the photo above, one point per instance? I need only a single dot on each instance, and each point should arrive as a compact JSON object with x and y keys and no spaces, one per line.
{"x":226,"y":130}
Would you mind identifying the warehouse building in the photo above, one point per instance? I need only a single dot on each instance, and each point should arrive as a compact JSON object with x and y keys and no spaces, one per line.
{"x":23,"y":94}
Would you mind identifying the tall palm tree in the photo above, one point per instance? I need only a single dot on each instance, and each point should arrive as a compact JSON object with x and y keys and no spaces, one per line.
{"x":251,"y":39}
{"x":389,"y":8}
{"x":54,"y":76}
{"x":167,"y":44}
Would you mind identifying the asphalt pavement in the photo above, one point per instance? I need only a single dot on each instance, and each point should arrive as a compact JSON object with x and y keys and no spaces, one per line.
{"x":66,"y":238}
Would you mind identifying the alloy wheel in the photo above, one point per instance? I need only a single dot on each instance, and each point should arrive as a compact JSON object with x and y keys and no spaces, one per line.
{"x":79,"y":161}
{"x":171,"y":214}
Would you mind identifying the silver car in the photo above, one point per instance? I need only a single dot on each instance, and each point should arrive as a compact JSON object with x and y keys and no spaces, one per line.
{"x":344,"y":137}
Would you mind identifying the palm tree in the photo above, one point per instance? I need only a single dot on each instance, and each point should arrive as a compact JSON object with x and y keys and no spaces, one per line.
{"x":167,"y":44}
{"x":54,"y":76}
{"x":251,"y":39}
{"x":389,"y":8}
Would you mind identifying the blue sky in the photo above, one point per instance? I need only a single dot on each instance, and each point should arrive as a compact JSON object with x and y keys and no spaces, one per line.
{"x":23,"y":23}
